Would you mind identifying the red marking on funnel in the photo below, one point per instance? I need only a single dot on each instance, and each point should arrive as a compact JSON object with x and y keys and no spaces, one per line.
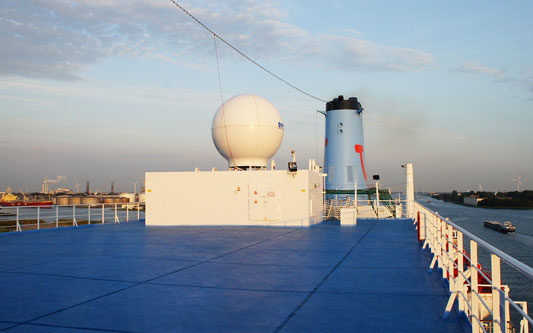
{"x":326,"y":142}
{"x":359,"y":150}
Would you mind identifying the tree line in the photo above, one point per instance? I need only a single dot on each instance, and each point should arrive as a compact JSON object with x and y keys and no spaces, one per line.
{"x":512,"y":199}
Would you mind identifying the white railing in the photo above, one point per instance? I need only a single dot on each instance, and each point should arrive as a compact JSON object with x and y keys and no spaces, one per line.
{"x":480,"y":294}
{"x":367,"y":208}
{"x":24,"y":218}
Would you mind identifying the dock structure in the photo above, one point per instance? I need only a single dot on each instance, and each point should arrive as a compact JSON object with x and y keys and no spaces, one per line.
{"x":131,"y":278}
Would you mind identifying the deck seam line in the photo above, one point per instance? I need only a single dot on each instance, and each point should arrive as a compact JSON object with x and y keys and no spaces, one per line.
{"x":379,"y":294}
{"x":306,"y":299}
{"x":137,"y":257}
{"x":283,"y":265}
{"x":276,"y":265}
{"x":230,"y":288}
{"x":72,"y":277}
{"x":215,"y":258}
{"x":196,"y":263}
{"x":78,"y":304}
{"x":69,"y":327}
{"x":294,"y":291}
{"x":31,"y":265}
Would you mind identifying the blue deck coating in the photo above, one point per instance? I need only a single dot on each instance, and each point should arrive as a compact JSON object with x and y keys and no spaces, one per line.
{"x":132,"y":278}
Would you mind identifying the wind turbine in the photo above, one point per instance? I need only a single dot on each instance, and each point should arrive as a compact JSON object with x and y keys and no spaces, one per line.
{"x":518,"y":182}
{"x":134,"y":186}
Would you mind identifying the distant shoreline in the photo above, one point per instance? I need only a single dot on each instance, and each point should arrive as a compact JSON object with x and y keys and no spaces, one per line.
{"x":486,"y":207}
{"x":492,"y":200}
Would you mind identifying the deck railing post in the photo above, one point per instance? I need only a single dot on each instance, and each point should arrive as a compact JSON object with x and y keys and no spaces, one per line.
{"x":431,"y":243}
{"x":433,"y":233}
{"x":422,"y":229}
{"x":460,"y":269}
{"x":377,"y":199}
{"x":138,"y":211}
{"x":409,"y":191}
{"x":435,"y":248}
{"x":127,"y":212}
{"x":74,"y":222}
{"x":474,"y":302}
{"x":116,"y":216}
{"x":18,"y":228}
{"x":38,"y":217}
{"x":442,"y":248}
{"x":498,"y":302}
{"x":89,"y":214}
{"x":355,"y":199}
{"x":57,"y":216}
{"x":103,"y":214}
{"x":445,"y":253}
{"x":451,"y":256}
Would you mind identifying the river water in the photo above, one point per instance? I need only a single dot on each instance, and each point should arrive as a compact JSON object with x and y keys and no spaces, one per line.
{"x":519,"y":244}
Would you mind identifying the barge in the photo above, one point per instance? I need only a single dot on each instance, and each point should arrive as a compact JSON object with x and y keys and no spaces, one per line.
{"x":504,"y":227}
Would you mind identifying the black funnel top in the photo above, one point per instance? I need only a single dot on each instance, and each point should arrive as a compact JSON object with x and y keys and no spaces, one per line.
{"x":340,"y":103}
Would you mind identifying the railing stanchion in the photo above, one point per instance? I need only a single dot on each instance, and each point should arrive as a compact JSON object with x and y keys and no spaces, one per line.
{"x":377,"y":199}
{"x":127,"y":212}
{"x":38,"y":217}
{"x":474,"y":302}
{"x":103,"y":214}
{"x":442,"y":263}
{"x":116,"y":216}
{"x":57,"y":216}
{"x":460,"y":269}
{"x":433,"y":234}
{"x":138,"y":211}
{"x":450,"y":257}
{"x":497,"y":299}
{"x":18,"y":228}
{"x":89,"y":214}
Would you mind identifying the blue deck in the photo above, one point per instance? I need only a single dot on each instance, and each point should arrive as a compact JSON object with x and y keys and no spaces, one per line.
{"x":133,"y":278}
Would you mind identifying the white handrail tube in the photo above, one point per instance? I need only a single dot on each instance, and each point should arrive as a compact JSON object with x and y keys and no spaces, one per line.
{"x":410,"y":190}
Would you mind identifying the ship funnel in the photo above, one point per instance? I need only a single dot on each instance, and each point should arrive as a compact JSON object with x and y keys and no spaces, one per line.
{"x":344,"y":158}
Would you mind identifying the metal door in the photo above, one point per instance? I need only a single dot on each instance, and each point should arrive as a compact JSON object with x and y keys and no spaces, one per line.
{"x":263,"y":201}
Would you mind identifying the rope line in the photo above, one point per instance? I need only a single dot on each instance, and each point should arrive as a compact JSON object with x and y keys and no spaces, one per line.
{"x":244,"y":55}
{"x":222,"y":105}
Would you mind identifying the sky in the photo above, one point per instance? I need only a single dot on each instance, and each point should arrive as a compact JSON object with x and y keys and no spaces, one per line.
{"x":105,"y":90}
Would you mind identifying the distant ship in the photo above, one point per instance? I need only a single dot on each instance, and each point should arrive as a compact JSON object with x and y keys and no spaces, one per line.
{"x":505,"y":227}
{"x":9,"y":199}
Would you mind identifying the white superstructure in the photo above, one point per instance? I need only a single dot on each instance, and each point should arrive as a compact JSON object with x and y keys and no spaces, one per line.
{"x":260,"y":197}
{"x":247,"y":130}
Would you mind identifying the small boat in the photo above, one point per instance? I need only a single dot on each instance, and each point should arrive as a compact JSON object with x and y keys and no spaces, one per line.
{"x":498,"y":226}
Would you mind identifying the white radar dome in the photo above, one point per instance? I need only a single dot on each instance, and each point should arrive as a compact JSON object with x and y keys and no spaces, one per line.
{"x":247,"y":130}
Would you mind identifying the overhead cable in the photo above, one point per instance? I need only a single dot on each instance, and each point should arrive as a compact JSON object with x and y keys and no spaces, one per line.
{"x":244,"y":55}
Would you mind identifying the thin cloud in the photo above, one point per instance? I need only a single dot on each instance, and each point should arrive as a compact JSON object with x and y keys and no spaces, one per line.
{"x":498,"y":75}
{"x":474,"y":68}
{"x":60,"y":39}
